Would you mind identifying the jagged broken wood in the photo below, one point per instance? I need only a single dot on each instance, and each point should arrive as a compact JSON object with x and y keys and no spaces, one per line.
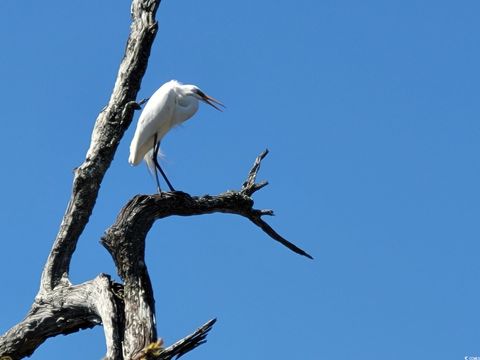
{"x":155,"y":351}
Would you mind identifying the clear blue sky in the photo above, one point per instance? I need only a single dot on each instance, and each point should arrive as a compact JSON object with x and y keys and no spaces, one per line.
{"x":371,"y":112}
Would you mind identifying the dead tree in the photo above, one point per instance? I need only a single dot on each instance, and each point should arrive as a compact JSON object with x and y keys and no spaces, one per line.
{"x":125,"y":310}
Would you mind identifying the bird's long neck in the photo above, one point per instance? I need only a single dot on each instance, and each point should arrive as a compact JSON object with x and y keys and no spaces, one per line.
{"x":186,"y":108}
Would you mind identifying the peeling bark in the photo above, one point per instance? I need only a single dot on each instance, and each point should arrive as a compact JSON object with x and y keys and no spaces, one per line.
{"x":109,"y":128}
{"x":59,"y":307}
{"x":64,"y":310}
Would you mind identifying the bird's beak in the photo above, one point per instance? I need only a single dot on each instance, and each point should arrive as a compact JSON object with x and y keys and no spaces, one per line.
{"x":212,"y":101}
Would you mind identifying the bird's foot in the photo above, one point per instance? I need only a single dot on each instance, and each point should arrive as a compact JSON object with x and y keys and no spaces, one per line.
{"x":173,"y":192}
{"x":181,"y":193}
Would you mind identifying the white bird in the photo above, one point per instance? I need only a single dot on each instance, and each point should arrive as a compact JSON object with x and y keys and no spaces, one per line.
{"x":172,"y":104}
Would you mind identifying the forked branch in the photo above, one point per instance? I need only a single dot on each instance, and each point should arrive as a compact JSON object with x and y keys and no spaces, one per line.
{"x":136,"y":218}
{"x":64,"y":310}
{"x":125,"y":241}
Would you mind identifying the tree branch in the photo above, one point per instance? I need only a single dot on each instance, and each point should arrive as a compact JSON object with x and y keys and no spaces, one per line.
{"x":188,"y":343}
{"x":65,"y":310}
{"x":249,"y":186}
{"x":155,"y":351}
{"x":107,"y":133}
{"x":137,"y":217}
{"x":109,"y":306}
{"x":125,"y":241}
{"x":59,"y":307}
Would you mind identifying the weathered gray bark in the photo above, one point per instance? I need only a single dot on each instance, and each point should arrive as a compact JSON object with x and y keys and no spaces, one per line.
{"x":50,"y":314}
{"x":126,"y":311}
{"x":109,"y":128}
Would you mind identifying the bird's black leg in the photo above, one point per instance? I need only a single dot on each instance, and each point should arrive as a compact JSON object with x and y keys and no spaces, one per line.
{"x":154,"y":158}
{"x":157,"y":165}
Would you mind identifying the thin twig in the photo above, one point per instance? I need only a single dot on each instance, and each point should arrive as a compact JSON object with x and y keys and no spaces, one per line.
{"x":155,"y":351}
{"x":276,"y":236}
{"x":143,"y":101}
{"x":249,"y":186}
{"x":189,"y":342}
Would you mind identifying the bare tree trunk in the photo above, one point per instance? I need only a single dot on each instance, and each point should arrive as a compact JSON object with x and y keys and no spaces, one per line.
{"x":126,"y":311}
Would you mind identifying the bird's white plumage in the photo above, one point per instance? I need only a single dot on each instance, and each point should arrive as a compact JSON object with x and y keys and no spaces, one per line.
{"x":158,"y":117}
{"x":172,"y":104}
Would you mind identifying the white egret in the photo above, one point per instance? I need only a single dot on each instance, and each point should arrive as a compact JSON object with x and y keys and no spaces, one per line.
{"x":172,"y":104}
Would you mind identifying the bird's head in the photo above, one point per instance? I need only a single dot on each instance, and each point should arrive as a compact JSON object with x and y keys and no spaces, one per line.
{"x":192,"y":90}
